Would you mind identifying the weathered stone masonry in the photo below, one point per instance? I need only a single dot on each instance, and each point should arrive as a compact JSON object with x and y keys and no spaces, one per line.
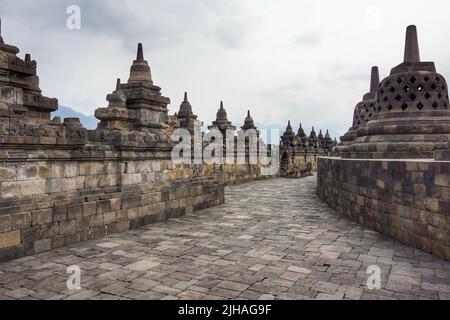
{"x":51,"y":203}
{"x":236,"y":173}
{"x":408,"y":200}
{"x":392,"y":172}
{"x":60,"y":184}
{"x":299,"y":153}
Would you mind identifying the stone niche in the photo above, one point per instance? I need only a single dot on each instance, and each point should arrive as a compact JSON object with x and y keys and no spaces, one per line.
{"x":391,"y":172}
{"x":61,"y":184}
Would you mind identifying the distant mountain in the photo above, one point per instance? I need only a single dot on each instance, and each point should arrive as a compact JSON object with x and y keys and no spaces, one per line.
{"x":89,"y":122}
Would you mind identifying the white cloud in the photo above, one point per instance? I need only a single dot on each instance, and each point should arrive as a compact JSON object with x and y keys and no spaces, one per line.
{"x":306,"y":61}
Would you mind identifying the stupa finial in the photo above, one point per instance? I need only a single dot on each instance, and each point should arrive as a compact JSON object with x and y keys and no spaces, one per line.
{"x":185,"y":97}
{"x":140,"y":52}
{"x":412,"y":53}
{"x":1,"y":39}
{"x":140,"y":70}
{"x":118,"y":84}
{"x":374,"y":79}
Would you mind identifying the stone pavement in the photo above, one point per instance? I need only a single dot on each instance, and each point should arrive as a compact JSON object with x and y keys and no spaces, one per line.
{"x":271,"y":240}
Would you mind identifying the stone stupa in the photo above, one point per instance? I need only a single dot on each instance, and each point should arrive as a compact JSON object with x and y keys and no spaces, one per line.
{"x":411,"y":116}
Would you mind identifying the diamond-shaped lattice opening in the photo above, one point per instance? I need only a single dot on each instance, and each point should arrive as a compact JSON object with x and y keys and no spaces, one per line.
{"x":398,"y":97}
{"x":379,"y":109}
{"x":445,"y":105}
{"x":392,"y":89}
{"x":386,"y":99}
{"x":420,"y":106}
{"x":438,"y":79}
{"x":427,"y":95}
{"x":433,"y":86}
{"x":382,"y":91}
{"x":412,"y":96}
{"x":435,"y":105}
{"x":440,"y":95}
{"x":413,"y":79}
{"x":443,"y":87}
{"x":426,"y":79}
{"x":388,"y":82}
{"x":399,"y":81}
{"x":406,"y":88}
{"x":404,"y":106}
{"x":389,"y":107}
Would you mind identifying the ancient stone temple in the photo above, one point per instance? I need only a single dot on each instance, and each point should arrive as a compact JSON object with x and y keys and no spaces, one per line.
{"x":289,"y":137}
{"x":60,"y":184}
{"x":313,"y":140}
{"x":25,"y":112}
{"x":384,"y":175}
{"x":185,"y":115}
{"x":327,"y":142}
{"x":221,"y":123}
{"x":363,"y":113}
{"x":136,"y":116}
{"x":411,"y":118}
{"x":225,"y":127}
{"x":301,"y":133}
{"x":299,"y":152}
{"x":251,"y":136}
{"x":249,"y":123}
{"x":237,"y":164}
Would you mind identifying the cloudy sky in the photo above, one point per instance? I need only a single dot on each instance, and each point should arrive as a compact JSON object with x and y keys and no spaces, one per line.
{"x":307,"y":61}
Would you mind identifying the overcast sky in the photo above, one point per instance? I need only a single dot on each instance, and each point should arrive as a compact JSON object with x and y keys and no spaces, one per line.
{"x":307,"y":61}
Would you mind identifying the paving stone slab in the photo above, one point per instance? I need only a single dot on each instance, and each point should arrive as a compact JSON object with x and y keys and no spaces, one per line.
{"x":272,"y":239}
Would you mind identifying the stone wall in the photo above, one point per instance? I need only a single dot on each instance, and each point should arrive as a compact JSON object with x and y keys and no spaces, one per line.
{"x":61,"y":184}
{"x":51,"y":198}
{"x":304,"y":160}
{"x":408,"y":200}
{"x":298,"y":165}
{"x":243,"y":173}
{"x":48,"y":202}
